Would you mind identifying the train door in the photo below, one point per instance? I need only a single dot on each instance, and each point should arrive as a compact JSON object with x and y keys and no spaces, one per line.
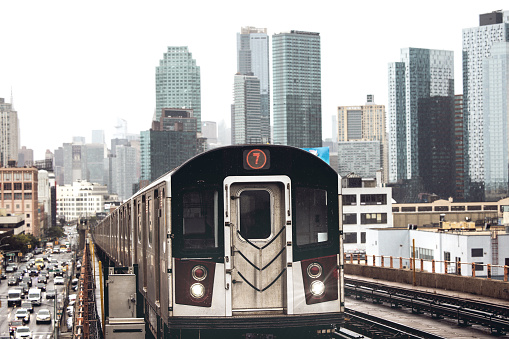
{"x":258,"y":246}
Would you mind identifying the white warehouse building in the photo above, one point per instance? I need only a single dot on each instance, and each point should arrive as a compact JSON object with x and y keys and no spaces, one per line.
{"x":479,"y":247}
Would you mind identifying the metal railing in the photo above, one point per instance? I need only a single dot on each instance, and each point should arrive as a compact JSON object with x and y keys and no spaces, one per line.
{"x":427,"y":265}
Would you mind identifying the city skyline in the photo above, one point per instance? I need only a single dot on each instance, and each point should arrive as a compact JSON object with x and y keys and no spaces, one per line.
{"x":74,"y":77}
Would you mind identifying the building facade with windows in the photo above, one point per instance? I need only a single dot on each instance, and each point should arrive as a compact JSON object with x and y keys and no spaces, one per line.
{"x":246,"y":115}
{"x":297,"y":92}
{"x":420,"y":75}
{"x":481,"y":248}
{"x":178,"y":82}
{"x":366,"y":204}
{"x":9,"y":133}
{"x":253,"y":59}
{"x":19,"y":195}
{"x":80,"y":199}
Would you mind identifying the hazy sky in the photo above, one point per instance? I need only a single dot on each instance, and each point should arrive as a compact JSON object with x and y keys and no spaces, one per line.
{"x":78,"y":66}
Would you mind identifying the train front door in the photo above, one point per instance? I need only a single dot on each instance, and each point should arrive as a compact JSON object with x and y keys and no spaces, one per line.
{"x":258,"y":246}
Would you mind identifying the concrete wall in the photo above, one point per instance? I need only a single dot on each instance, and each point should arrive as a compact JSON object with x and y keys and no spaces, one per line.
{"x":478,"y":286}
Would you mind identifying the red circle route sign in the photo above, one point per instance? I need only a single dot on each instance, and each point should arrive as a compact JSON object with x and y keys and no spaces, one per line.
{"x":256,"y":159}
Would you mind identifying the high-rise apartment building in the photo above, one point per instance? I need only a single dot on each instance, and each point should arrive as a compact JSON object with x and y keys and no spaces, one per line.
{"x":485,"y":105}
{"x":364,"y":123}
{"x":297,"y":91}
{"x":246,"y":115}
{"x":75,"y":163}
{"x":9,"y":129}
{"x":253,"y":59}
{"x":459,"y":151}
{"x":178,"y":82}
{"x":420,"y":75}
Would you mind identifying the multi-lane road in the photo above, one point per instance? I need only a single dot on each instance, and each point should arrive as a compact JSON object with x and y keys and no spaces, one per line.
{"x":39,"y":331}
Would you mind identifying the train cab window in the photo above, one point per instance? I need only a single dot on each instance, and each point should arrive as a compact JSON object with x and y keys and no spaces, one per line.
{"x":311,"y":223}
{"x":200,"y":219}
{"x":255,"y":214}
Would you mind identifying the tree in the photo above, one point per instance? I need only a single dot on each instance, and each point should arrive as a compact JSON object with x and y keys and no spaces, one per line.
{"x":55,"y":232}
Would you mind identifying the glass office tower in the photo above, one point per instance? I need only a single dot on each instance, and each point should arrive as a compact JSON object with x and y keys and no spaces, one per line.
{"x":297,"y":89}
{"x":485,"y":107}
{"x":253,"y":60}
{"x":178,"y":82}
{"x":421,"y":74}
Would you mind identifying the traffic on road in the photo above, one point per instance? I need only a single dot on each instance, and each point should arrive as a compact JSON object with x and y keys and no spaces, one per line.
{"x":37,"y":287}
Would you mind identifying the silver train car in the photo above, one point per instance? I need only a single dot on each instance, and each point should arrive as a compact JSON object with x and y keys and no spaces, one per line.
{"x":239,"y":239}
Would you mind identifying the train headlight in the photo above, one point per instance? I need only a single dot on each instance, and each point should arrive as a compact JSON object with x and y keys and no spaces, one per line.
{"x":317,"y":288}
{"x":197,"y":290}
{"x":314,"y":270}
{"x":199,"y":273}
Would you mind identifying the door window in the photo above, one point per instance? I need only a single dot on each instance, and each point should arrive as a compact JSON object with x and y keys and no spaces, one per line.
{"x":255,"y":214}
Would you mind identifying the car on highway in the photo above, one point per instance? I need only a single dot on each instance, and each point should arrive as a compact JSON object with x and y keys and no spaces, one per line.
{"x":23,"y":332}
{"x":50,"y":294}
{"x":9,"y":269}
{"x":28,"y":305}
{"x":42,"y":279}
{"x":12,"y":281}
{"x":72,"y":299}
{"x":23,"y":315}
{"x":58,"y":280}
{"x":27,"y":280}
{"x":43,"y":316}
{"x":70,"y":311}
{"x":24,"y":288}
{"x":13,"y":325}
{"x":41,"y":286}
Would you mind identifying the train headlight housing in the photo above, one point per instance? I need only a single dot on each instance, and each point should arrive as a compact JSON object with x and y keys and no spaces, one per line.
{"x":197,"y":291}
{"x":317,"y":288}
{"x":314,"y":270}
{"x":199,"y":273}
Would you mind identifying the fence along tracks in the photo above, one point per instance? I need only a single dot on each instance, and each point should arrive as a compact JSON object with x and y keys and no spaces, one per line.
{"x":465,"y":311}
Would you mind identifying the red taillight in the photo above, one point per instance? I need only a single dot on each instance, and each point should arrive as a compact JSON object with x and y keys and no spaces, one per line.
{"x":199,"y":273}
{"x":314,"y":270}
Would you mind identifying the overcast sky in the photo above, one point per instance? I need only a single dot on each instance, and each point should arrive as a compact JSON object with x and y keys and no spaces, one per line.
{"x":78,"y":66}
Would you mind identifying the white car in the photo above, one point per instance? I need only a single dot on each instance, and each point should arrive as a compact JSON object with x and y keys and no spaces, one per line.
{"x":43,"y":316}
{"x":72,"y":299}
{"x":59,"y":280}
{"x":23,"y":332}
{"x":22,"y":314}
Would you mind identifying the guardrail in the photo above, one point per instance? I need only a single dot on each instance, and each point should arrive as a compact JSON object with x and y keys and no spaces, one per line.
{"x":426,"y":265}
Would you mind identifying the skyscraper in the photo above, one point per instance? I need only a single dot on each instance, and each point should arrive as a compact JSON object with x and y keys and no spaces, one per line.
{"x":246,"y":117}
{"x":485,"y":78}
{"x":421,"y":74}
{"x":9,"y":138}
{"x":178,"y":82}
{"x":253,"y":59}
{"x":297,"y":89}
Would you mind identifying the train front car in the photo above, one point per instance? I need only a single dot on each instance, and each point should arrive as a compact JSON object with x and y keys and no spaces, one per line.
{"x":255,"y":243}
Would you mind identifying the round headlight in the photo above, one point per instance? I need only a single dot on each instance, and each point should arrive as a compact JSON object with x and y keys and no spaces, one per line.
{"x":317,"y":288}
{"x":314,"y":270}
{"x":197,"y":291}
{"x":199,"y":273}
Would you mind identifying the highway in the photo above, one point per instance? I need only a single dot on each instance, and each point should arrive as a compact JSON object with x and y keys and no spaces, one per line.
{"x":39,"y":331}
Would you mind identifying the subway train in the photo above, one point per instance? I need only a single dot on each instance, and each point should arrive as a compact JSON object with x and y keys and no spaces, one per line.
{"x":240,"y":240}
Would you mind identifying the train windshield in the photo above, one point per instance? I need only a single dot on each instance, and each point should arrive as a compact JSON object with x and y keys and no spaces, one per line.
{"x":200,"y":219}
{"x":311,"y":215}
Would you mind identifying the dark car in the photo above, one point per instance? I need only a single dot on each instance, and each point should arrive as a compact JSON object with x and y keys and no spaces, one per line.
{"x":27,"y":280}
{"x":50,"y":294}
{"x":34,"y":272}
{"x":24,"y":287}
{"x":41,"y":286}
{"x":28,"y":305}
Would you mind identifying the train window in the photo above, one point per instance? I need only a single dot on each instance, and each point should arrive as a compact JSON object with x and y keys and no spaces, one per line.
{"x":149,"y":218}
{"x":310,"y":215}
{"x":255,"y":214}
{"x":200,"y":219}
